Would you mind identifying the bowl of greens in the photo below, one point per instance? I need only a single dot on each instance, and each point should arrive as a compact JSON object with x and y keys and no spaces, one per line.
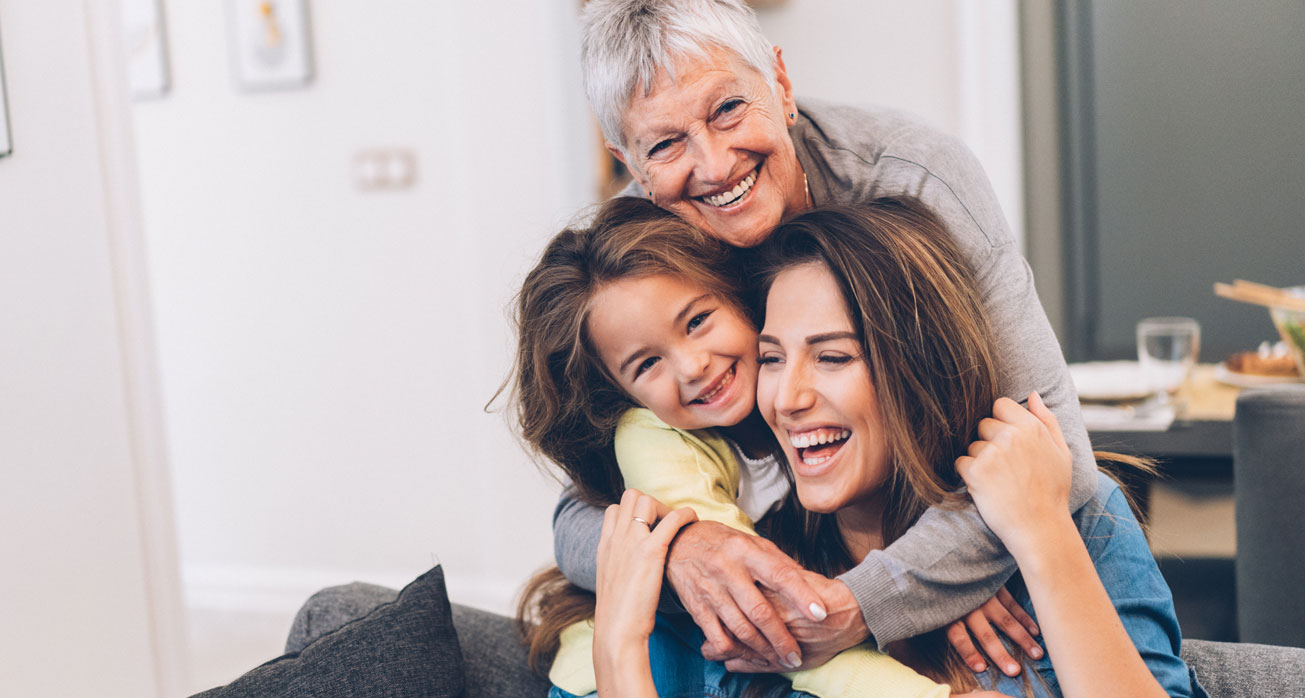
{"x":1291,"y":325}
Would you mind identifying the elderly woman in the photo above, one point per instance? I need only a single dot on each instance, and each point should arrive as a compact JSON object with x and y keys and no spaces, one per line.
{"x":700,"y":108}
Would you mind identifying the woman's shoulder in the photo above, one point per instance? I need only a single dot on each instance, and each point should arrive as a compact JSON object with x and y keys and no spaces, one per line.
{"x":1107,"y":513}
{"x":872,"y":131}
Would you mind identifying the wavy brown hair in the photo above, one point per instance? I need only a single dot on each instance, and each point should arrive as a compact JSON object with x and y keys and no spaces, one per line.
{"x":566,"y":403}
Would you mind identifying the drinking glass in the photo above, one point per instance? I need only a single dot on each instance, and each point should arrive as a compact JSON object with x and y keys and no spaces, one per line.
{"x":1167,"y":348}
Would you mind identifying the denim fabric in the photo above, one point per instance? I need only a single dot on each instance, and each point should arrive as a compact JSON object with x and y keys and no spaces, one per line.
{"x":679,"y":671}
{"x":1140,"y":595}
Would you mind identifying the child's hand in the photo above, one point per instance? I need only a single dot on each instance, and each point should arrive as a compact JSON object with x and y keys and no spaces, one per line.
{"x":1018,"y":472}
{"x":631,"y":561}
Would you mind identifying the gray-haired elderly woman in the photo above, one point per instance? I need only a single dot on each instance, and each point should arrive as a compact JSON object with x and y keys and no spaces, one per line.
{"x":700,"y":108}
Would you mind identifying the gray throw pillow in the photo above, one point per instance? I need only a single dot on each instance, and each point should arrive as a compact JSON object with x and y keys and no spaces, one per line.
{"x":404,"y":649}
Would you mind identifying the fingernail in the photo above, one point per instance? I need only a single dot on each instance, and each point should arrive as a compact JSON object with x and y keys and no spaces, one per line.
{"x":979,"y":666}
{"x":817,"y":611}
{"x":793,"y":661}
{"x":1036,"y":653}
{"x":1011,"y":669}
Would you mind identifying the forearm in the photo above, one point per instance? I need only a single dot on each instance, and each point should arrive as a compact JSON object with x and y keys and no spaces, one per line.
{"x":943,"y":567}
{"x":577,"y":528}
{"x":1086,"y":640}
{"x":623,"y":670}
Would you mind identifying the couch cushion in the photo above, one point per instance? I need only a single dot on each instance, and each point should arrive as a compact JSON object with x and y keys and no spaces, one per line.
{"x":406,"y":648}
{"x":1245,"y":670}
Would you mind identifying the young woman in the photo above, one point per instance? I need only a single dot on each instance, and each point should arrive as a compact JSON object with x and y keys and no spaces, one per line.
{"x":876,"y":377}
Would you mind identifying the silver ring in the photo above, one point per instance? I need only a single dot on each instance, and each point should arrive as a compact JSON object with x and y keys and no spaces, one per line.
{"x":642,"y":522}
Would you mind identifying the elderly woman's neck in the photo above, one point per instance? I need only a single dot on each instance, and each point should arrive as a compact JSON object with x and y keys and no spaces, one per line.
{"x":861,"y":525}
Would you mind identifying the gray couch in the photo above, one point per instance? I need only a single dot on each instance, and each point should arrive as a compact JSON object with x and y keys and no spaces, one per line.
{"x":494,"y":661}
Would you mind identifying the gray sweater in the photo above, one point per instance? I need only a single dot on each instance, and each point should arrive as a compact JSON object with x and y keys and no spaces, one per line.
{"x":948,"y":563}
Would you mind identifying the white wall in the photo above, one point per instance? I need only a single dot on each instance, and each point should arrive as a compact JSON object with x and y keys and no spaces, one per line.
{"x":90,"y":596}
{"x":326,"y":352}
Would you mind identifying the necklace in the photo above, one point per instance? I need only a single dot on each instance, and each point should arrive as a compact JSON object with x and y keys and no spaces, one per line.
{"x":807,"y":188}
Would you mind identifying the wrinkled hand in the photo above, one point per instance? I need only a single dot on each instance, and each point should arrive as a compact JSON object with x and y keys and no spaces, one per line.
{"x":1018,"y":472}
{"x":1014,"y":623}
{"x":843,"y":627}
{"x":719,"y":574}
{"x":631,"y":559}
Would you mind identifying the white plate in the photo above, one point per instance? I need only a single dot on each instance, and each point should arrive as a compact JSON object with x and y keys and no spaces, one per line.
{"x":1223,"y":374}
{"x":1109,"y":381}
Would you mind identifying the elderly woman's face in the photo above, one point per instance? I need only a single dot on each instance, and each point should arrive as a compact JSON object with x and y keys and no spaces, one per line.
{"x":713,"y":147}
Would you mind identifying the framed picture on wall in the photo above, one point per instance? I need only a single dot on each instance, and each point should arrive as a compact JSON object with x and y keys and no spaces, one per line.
{"x":146,"y":45}
{"x":270,"y":43}
{"x":6,"y":146}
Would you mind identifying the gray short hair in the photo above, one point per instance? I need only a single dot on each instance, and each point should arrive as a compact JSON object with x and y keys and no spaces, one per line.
{"x":626,"y":42}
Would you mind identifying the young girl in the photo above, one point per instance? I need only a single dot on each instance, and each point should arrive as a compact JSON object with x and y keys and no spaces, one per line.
{"x":637,"y":368}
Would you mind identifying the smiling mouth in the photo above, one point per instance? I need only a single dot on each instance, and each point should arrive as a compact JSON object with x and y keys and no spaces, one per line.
{"x":816,"y":446}
{"x":729,"y":197}
{"x":713,"y":391}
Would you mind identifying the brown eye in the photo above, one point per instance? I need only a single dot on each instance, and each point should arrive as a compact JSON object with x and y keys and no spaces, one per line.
{"x":646,"y":365}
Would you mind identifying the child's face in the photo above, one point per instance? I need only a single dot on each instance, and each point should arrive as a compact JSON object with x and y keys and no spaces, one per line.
{"x":676,"y":349}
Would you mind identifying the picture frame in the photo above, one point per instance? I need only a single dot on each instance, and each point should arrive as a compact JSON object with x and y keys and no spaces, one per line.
{"x":145,"y":40}
{"x":271,"y":47}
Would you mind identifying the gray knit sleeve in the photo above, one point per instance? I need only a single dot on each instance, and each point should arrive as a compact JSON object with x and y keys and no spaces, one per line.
{"x":949,"y":562}
{"x":577,"y":528}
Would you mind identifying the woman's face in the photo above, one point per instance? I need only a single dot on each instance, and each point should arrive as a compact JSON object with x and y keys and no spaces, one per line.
{"x":814,"y":391}
{"x":677,"y":349}
{"x":712,"y":146}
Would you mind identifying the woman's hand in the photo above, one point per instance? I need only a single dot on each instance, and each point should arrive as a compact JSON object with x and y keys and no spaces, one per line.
{"x":1004,"y":612}
{"x":631,"y":560}
{"x":1018,"y":472}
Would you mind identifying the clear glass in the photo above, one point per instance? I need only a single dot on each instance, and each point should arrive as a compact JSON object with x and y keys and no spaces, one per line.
{"x":1167,"y":349}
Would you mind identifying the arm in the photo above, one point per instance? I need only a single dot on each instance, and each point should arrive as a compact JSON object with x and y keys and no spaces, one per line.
{"x":1019,"y":476}
{"x":714,"y":568}
{"x":631,"y":558}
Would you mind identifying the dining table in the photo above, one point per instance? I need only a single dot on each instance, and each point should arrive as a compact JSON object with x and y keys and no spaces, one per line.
{"x":1197,"y":445}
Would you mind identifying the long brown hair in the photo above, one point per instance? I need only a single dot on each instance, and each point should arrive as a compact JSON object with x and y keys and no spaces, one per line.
{"x":567,"y":405}
{"x":916,"y":310}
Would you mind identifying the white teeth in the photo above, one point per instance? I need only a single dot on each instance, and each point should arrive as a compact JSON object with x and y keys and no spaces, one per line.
{"x":819,"y":437}
{"x":729,"y":378}
{"x":816,"y":461}
{"x":733,"y":195}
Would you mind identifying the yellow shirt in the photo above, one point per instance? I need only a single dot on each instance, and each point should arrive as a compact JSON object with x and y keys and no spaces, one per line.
{"x":698,"y":469}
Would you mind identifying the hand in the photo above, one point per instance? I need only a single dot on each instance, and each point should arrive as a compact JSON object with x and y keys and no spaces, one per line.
{"x":1015,"y":624}
{"x":631,"y":560}
{"x":1018,"y":472}
{"x":844,"y":625}
{"x":716,"y":571}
